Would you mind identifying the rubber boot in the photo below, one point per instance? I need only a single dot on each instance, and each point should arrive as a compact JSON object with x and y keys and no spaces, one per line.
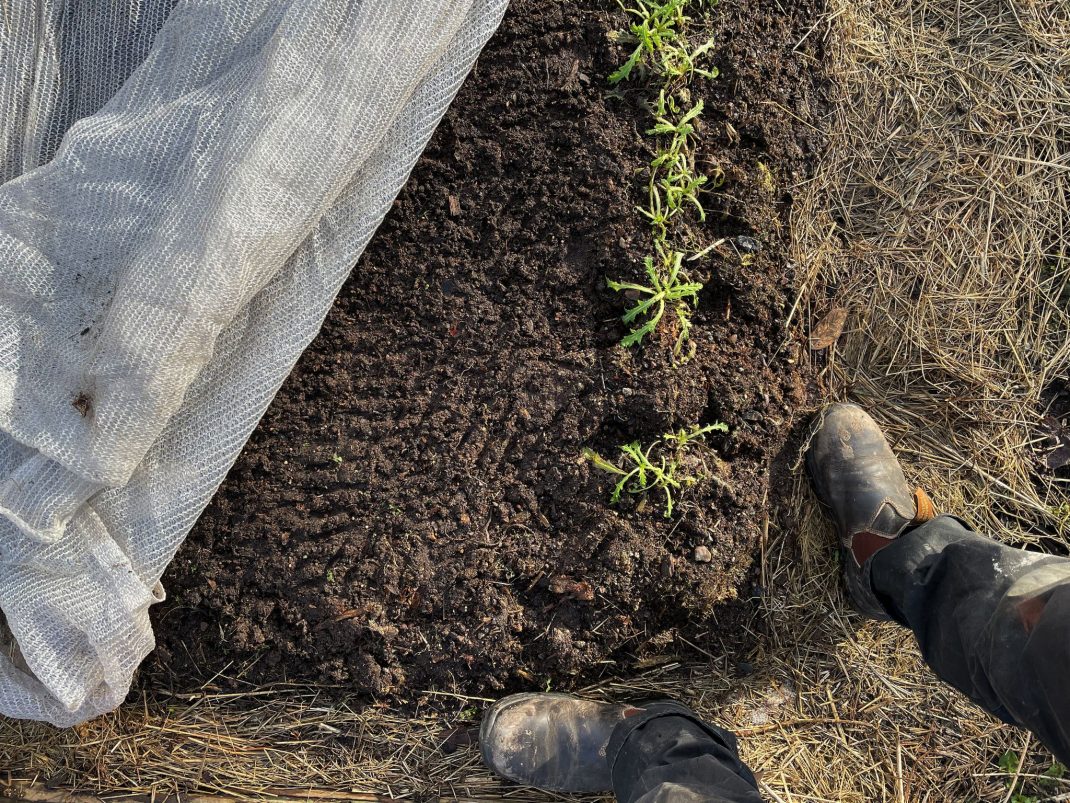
{"x":551,"y":741}
{"x":857,"y":477}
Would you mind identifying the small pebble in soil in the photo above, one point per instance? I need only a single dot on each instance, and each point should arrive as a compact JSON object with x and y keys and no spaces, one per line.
{"x":703,"y":554}
{"x":748,"y":244}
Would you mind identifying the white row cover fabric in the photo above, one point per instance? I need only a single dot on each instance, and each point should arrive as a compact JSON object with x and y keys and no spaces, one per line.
{"x":185,"y":186}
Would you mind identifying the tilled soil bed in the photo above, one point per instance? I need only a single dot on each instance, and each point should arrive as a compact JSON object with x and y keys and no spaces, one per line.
{"x":414,"y":512}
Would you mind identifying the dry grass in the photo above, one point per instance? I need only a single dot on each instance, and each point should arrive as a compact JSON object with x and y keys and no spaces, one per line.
{"x":942,"y":214}
{"x":938,"y":220}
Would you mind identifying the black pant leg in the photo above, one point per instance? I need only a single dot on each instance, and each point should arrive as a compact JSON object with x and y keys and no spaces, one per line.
{"x":668,"y":754}
{"x":992,"y":621}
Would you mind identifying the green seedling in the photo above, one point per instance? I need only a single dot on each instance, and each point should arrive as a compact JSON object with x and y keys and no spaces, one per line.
{"x":668,"y":288}
{"x":1047,"y":781}
{"x":658,"y":467}
{"x":656,"y":27}
{"x":1009,"y":763}
{"x":659,"y":30}
{"x":660,"y":43}
{"x":1056,"y":772}
{"x":684,"y":437}
{"x":675,"y":153}
{"x":682,"y":62}
{"x":674,"y":183}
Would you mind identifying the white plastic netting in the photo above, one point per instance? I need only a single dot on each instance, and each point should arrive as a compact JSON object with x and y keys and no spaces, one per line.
{"x":185,"y":186}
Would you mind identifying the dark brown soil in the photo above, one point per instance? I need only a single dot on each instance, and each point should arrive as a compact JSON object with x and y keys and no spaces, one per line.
{"x":413,"y":511}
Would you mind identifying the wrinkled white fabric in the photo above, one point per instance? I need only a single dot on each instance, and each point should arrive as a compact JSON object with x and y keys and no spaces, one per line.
{"x":186,"y":185}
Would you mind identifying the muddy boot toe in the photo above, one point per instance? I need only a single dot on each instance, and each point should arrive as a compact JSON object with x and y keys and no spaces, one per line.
{"x":857,"y":477}
{"x":551,"y":741}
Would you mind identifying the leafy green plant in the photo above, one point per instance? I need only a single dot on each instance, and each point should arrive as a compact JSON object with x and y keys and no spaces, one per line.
{"x":682,"y":438}
{"x":668,"y":288}
{"x":658,"y":33}
{"x":1009,"y":762}
{"x":658,"y":467}
{"x":1056,"y":772}
{"x":674,"y":181}
{"x":661,"y":41}
{"x":681,"y":62}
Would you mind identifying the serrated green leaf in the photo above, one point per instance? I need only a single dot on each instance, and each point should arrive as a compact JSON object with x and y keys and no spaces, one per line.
{"x":601,"y":462}
{"x":640,"y":308}
{"x":636,"y":336}
{"x":620,"y":286}
{"x":625,"y":69}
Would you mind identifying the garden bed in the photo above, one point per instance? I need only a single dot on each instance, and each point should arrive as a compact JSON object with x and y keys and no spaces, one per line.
{"x":414,"y":512}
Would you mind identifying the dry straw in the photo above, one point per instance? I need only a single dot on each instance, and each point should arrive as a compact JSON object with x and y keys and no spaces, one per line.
{"x":938,"y":221}
{"x":940,"y":214}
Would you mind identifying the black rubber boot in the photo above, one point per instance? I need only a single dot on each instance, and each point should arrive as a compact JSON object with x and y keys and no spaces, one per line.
{"x":551,"y":741}
{"x":857,"y":477}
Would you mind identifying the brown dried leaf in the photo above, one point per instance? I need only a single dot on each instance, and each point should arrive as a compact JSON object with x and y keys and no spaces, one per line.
{"x":577,"y":589}
{"x":828,"y":330}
